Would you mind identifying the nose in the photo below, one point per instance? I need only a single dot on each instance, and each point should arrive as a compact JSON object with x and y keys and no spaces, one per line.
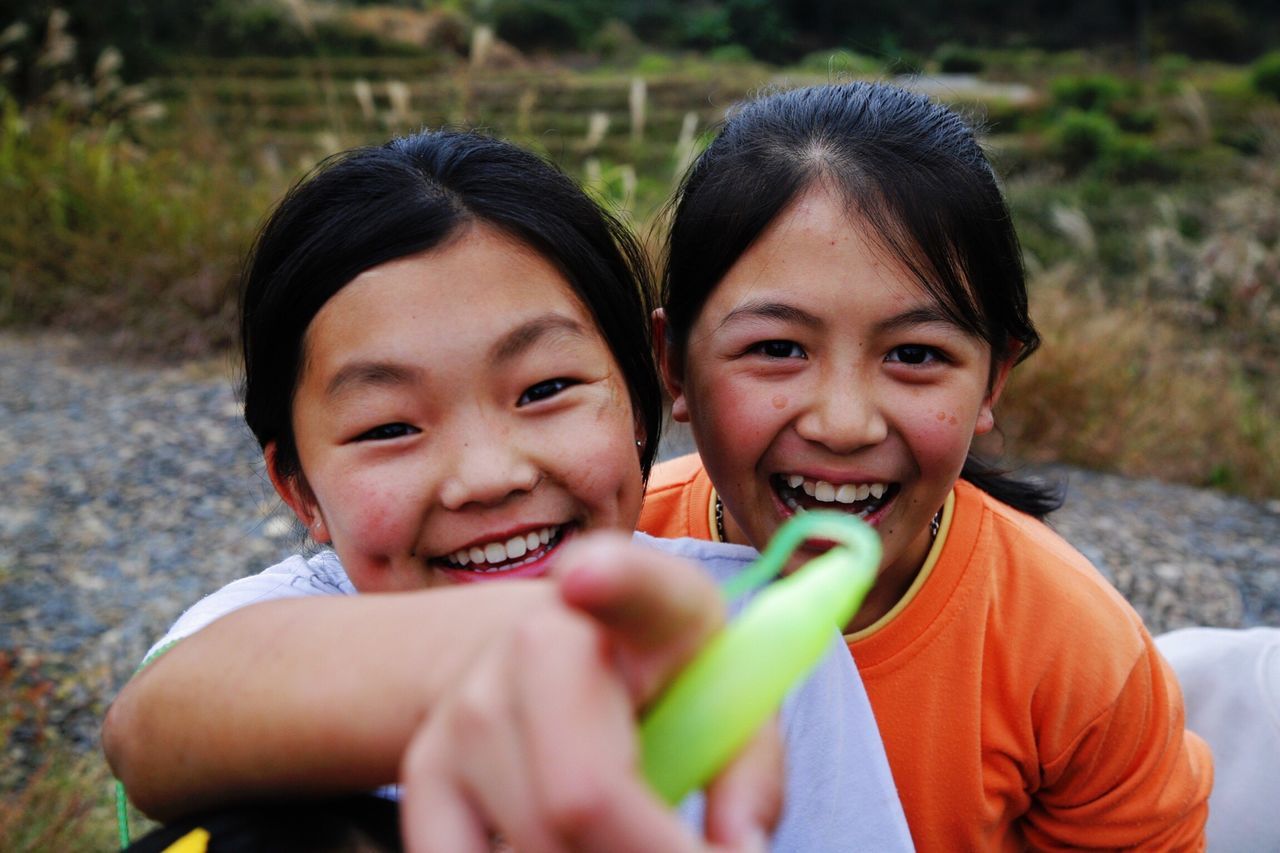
{"x":842,"y":413}
{"x":485,"y":466}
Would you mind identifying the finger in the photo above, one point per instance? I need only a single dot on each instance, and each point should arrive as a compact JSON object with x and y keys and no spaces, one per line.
{"x":658,"y":609}
{"x":745,"y":801}
{"x":579,"y":725}
{"x":471,"y":756}
{"x":630,"y":820}
{"x":435,"y":817}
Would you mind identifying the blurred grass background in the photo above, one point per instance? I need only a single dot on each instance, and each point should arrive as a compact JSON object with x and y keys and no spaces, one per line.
{"x":142,"y":143}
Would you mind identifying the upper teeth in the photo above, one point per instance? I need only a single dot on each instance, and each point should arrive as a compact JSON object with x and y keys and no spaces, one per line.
{"x":847,"y":493}
{"x":500,"y":552}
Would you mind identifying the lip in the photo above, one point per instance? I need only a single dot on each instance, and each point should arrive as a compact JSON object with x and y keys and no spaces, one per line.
{"x":531,"y":569}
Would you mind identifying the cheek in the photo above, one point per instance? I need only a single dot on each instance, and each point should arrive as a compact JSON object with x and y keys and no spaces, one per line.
{"x":369,"y":513}
{"x":600,"y":464}
{"x":942,"y":435}
{"x":732,"y":416}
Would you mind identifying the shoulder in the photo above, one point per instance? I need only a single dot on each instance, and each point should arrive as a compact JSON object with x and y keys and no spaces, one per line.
{"x":723,"y":561}
{"x":675,"y":474}
{"x":1033,"y":563}
{"x":1052,"y":616}
{"x":677,"y":499}
{"x":294,"y":577}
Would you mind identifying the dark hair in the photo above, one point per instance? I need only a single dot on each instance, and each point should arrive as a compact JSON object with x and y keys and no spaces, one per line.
{"x":372,"y":205}
{"x":911,"y":168}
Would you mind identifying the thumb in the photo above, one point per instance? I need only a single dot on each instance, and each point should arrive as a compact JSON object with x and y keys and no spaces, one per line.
{"x":656,"y":609}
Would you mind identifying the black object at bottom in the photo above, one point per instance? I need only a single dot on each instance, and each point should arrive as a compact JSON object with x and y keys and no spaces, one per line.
{"x":364,"y":823}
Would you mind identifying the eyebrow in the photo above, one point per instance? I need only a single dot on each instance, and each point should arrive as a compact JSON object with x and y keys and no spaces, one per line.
{"x":770,"y":310}
{"x":923,"y":315}
{"x":524,"y":336}
{"x":371,"y":373}
{"x":773,"y":310}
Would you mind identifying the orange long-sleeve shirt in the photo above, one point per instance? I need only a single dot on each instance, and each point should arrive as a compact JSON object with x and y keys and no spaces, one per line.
{"x":1021,"y":701}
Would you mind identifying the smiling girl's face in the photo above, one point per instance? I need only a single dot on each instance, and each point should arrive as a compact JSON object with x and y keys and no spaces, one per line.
{"x":820,"y":374}
{"x":458,"y":418}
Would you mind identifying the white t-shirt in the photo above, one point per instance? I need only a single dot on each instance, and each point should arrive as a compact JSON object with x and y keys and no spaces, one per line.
{"x":1231,"y":687}
{"x":840,"y":794}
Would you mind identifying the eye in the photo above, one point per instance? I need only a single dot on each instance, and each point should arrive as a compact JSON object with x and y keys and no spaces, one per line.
{"x":914,"y":354}
{"x":545,"y":390}
{"x":386,"y":432}
{"x":779,"y":349}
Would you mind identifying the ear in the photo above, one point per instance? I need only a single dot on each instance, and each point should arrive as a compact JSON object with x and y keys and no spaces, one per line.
{"x":293,"y":490}
{"x":670,"y":365}
{"x":986,"y":414}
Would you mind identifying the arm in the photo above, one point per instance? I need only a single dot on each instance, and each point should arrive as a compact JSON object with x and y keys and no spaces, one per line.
{"x":324,"y":695}
{"x":315,"y":695}
{"x":1134,"y":777}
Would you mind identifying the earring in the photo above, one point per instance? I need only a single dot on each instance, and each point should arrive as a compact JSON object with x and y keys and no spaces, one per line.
{"x":639,"y":443}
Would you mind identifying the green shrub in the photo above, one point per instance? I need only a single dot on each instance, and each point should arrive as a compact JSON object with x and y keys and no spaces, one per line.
{"x":655,"y":64}
{"x":1172,"y":69}
{"x":615,"y":40}
{"x":1136,"y":118}
{"x":1132,"y":158}
{"x":704,"y":27}
{"x":762,"y":27}
{"x":1265,"y":74}
{"x":537,"y":24}
{"x":233,"y":29}
{"x":1094,"y":92}
{"x":1080,"y":138}
{"x":956,"y":59}
{"x":731,"y":54}
{"x":104,"y":237}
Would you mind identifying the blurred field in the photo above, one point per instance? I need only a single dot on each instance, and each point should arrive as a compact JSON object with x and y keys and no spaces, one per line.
{"x":1148,"y":200}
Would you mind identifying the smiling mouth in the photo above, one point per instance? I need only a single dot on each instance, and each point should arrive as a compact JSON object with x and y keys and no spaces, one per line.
{"x":505,"y":555}
{"x":799,"y":493}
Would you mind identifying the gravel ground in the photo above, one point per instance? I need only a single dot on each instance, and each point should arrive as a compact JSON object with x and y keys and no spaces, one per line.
{"x":130,"y":491}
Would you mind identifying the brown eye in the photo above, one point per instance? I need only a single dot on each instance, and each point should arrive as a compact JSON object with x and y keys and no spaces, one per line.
{"x":780,"y":349}
{"x":914,"y":354}
{"x":385,"y":432}
{"x":544,"y":390}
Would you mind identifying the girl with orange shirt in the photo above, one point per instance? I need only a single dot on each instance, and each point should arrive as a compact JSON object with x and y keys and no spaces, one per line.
{"x":843,"y":300}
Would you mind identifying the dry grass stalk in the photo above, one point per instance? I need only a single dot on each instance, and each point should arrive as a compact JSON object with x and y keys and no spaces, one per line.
{"x":481,"y":45}
{"x":398,"y":94}
{"x":597,"y":129}
{"x":525,"y":106}
{"x":59,"y":45}
{"x":363,"y":91}
{"x":1118,"y":388}
{"x":637,"y":100}
{"x":685,"y":151}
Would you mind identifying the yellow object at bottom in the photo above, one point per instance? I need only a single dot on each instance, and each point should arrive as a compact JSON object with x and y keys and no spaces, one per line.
{"x":195,"y":841}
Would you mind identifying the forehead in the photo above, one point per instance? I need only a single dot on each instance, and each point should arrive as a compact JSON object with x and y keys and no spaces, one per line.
{"x":820,"y":244}
{"x":450,"y":301}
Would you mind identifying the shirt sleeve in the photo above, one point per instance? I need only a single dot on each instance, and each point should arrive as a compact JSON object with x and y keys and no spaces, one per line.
{"x":1134,"y":777}
{"x":295,"y":577}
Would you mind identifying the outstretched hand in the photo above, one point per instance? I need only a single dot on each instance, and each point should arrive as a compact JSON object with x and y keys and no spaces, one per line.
{"x":538,"y":744}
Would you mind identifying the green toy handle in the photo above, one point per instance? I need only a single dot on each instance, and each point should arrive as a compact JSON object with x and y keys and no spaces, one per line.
{"x":720,"y":699}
